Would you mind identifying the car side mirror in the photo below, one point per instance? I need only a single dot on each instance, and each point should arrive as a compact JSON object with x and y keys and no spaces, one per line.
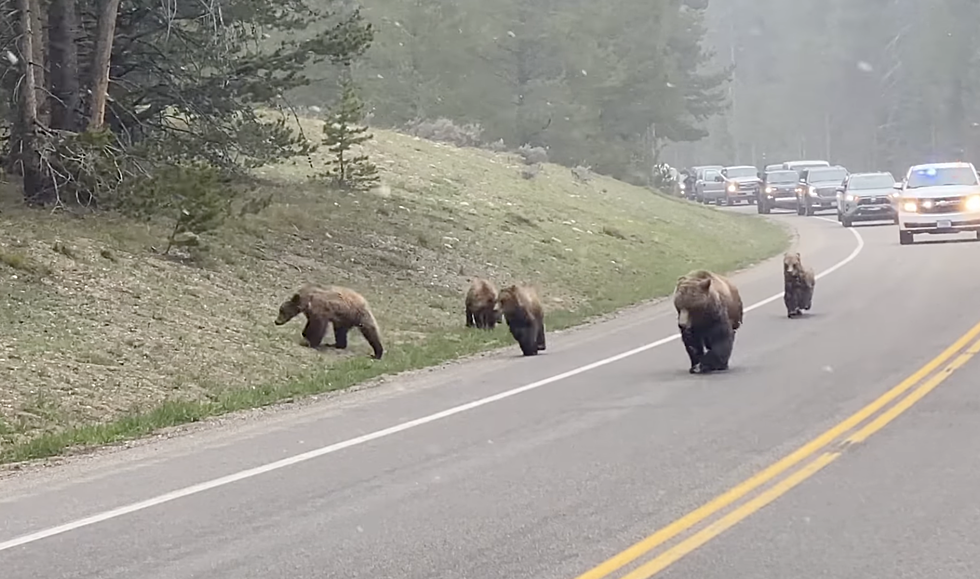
{"x":898,"y":186}
{"x":719,"y":179}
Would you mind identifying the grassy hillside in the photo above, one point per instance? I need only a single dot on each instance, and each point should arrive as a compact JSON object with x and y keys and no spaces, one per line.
{"x":105,"y":339}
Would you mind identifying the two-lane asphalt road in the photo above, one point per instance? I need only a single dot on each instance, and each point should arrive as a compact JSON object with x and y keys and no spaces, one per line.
{"x":553,"y":467}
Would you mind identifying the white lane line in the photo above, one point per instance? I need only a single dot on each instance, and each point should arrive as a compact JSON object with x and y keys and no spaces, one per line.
{"x":279,"y":464}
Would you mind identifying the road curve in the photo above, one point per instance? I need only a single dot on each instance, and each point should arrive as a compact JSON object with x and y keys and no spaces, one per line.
{"x":550,"y":482}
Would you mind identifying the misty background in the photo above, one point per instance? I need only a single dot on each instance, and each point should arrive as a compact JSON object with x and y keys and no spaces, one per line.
{"x":875,"y":84}
{"x":617,"y":85}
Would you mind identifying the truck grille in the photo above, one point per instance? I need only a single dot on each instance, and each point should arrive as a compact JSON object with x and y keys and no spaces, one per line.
{"x":874,"y":201}
{"x":943,"y":205}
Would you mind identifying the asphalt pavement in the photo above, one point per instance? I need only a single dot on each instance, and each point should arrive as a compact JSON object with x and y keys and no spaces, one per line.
{"x":549,"y":482}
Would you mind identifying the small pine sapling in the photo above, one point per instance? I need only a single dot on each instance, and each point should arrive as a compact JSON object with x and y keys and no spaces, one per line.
{"x":341,"y":133}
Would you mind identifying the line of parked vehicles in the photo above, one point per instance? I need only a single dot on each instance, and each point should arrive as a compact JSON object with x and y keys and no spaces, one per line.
{"x":932,"y":198}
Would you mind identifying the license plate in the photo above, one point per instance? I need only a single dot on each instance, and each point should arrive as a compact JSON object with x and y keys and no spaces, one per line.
{"x":944,"y":224}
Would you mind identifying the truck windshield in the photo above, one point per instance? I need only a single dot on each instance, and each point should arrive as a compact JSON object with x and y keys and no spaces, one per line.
{"x":941,"y":177}
{"x":828,"y":174}
{"x":736,"y":172}
{"x":783,"y":177}
{"x":880,"y":181}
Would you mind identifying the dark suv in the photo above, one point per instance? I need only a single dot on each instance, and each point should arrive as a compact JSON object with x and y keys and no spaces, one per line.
{"x":818,"y":189}
{"x":778,"y":190}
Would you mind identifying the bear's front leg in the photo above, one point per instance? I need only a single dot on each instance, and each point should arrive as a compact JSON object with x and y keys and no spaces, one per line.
{"x":694,"y":346}
{"x":314,"y":331}
{"x":790,"y":299}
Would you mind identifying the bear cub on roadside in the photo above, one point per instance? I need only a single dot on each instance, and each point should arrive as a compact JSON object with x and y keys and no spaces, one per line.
{"x":525,"y":317}
{"x":798,"y":284}
{"x":481,"y":305}
{"x":709,"y":311}
{"x":340,"y":306}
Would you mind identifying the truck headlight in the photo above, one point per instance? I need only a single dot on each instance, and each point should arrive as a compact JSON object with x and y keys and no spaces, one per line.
{"x":973,"y":203}
{"x":851,"y":197}
{"x":910,"y":207}
{"x":732,"y":188}
{"x":813,"y":191}
{"x":768,"y":189}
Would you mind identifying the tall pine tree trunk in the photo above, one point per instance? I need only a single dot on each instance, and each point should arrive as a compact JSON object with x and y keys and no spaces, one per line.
{"x":39,"y":58}
{"x":100,"y":62}
{"x":28,"y":154}
{"x":63,"y":35}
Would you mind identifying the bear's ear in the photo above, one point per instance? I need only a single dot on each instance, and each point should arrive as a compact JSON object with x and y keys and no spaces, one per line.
{"x":295,"y":299}
{"x":705,"y":283}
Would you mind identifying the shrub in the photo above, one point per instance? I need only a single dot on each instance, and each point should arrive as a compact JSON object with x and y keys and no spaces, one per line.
{"x":445,"y":130}
{"x":533,"y":155}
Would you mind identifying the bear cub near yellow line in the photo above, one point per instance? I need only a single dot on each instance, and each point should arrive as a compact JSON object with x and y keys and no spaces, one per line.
{"x":709,"y":311}
{"x":798,"y":284}
{"x":340,"y":306}
{"x":525,"y":317}
{"x":481,"y":305}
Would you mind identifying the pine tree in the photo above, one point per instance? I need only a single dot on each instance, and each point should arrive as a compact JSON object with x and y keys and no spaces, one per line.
{"x":341,"y":133}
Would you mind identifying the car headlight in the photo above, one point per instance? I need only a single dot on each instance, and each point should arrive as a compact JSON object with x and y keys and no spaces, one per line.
{"x":768,"y":189}
{"x":973,"y":203}
{"x":851,"y":197}
{"x":683,"y":186}
{"x":910,"y":207}
{"x":732,"y":188}
{"x":813,"y":191}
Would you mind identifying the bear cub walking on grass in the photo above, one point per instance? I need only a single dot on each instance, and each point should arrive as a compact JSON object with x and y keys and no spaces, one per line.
{"x":481,"y":305}
{"x":340,"y":306}
{"x":798,"y":284}
{"x":709,"y":311}
{"x":525,"y":317}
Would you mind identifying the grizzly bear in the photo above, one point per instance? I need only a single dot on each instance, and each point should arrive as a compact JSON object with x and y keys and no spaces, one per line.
{"x":798,"y":284}
{"x":525,"y":317}
{"x":709,"y":311}
{"x":481,"y":305}
{"x":340,"y":306}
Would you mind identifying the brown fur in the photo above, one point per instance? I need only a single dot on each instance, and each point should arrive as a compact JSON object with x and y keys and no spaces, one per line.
{"x":522,"y":310}
{"x":709,"y":311}
{"x":481,"y":305}
{"x":798,"y":284}
{"x":340,"y":306}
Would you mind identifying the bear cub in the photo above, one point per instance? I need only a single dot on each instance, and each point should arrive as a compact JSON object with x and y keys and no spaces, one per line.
{"x":525,"y":317}
{"x":798,"y":284}
{"x":481,"y":305}
{"x":340,"y":306}
{"x":709,"y":311}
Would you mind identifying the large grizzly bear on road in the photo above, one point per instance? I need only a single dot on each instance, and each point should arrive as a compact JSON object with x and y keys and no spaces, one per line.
{"x":481,"y":305}
{"x":525,"y":317}
{"x":709,"y":311}
{"x":798,"y":284}
{"x":340,"y":306}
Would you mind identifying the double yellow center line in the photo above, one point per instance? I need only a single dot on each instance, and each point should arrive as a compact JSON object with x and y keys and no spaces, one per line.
{"x":917,"y":383}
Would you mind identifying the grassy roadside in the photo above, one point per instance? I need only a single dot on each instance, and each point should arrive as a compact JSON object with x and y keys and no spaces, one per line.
{"x":104,"y":340}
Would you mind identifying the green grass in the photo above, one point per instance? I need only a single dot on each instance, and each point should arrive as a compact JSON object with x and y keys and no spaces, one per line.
{"x":105,"y":340}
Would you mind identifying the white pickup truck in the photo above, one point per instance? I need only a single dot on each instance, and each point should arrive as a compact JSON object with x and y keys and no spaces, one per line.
{"x":938,"y":198}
